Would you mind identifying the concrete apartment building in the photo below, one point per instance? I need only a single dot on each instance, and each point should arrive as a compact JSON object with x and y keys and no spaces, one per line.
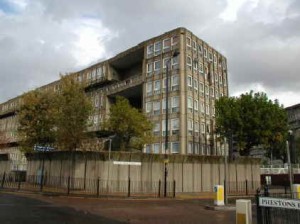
{"x":197,"y":77}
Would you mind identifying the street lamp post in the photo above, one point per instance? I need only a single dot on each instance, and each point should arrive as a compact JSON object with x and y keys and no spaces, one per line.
{"x":289,"y":163}
{"x":175,"y":53}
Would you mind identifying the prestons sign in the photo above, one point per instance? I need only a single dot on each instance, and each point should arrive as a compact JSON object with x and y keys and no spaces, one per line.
{"x":279,"y":203}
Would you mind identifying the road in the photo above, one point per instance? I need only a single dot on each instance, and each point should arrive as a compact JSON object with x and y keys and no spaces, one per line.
{"x":34,"y":208}
{"x":15,"y":209}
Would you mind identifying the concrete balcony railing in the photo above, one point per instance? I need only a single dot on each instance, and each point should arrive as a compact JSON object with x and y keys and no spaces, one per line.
{"x":125,"y":84}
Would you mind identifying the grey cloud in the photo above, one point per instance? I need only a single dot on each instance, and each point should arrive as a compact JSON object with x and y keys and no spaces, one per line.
{"x":258,"y":51}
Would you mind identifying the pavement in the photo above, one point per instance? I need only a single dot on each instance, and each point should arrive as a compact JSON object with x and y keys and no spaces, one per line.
{"x":35,"y":208}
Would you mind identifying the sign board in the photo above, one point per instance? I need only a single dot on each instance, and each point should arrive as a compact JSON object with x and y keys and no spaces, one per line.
{"x":39,"y":148}
{"x":279,"y":203}
{"x":127,"y":163}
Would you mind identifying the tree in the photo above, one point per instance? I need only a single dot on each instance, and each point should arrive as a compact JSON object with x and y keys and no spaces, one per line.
{"x":131,"y":126}
{"x":37,"y":119}
{"x":74,"y":109}
{"x":252,"y":120}
{"x":48,"y":118}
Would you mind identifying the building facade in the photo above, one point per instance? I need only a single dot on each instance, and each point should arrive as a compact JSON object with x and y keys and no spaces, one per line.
{"x":197,"y":77}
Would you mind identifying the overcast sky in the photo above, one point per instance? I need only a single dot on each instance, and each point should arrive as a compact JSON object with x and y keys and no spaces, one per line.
{"x":41,"y":38}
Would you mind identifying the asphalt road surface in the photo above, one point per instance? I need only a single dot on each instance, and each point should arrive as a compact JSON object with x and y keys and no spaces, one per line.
{"x":15,"y":209}
{"x":21,"y":208}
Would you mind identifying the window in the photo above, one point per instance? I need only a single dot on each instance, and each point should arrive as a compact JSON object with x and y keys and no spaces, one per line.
{"x":156,"y":107}
{"x":208,"y":128}
{"x":217,"y":94}
{"x":202,"y":128}
{"x":149,"y":88}
{"x":99,"y":72}
{"x":200,"y":49}
{"x":207,"y":109}
{"x":164,"y":105}
{"x":163,"y":125}
{"x":215,"y":58}
{"x":196,"y":148}
{"x":175,"y":104}
{"x":188,"y":41}
{"x":220,"y":79}
{"x":175,"y":147}
{"x":157,"y":48}
{"x":205,"y":52}
{"x":157,"y":65}
{"x":216,"y":77}
{"x":175,"y":126}
{"x":206,"y":90}
{"x":189,"y":61}
{"x":150,"y":49}
{"x":195,"y":84}
{"x":190,"y":127}
{"x":224,"y":79}
{"x":196,"y":105}
{"x":166,"y":44}
{"x":166,"y":62}
{"x":189,"y":81}
{"x":148,"y":107}
{"x":174,"y":40}
{"x":201,"y":67}
{"x":201,"y":87}
{"x":149,"y":67}
{"x":157,"y":87}
{"x":190,"y":148}
{"x":156,"y":148}
{"x":212,"y":92}
{"x":156,"y":129}
{"x":210,"y":56}
{"x":175,"y":60}
{"x":195,"y":65}
{"x":163,"y":145}
{"x":190,"y":104}
{"x":148,"y":149}
{"x":175,"y":82}
{"x":197,"y":127}
{"x":194,"y":45}
{"x":202,"y":107}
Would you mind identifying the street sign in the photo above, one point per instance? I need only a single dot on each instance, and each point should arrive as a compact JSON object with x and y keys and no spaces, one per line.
{"x":127,"y":163}
{"x":39,"y":148}
{"x":279,"y":203}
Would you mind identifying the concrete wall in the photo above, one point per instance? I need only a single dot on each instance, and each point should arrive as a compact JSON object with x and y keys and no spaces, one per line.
{"x":5,"y":164}
{"x":191,"y":173}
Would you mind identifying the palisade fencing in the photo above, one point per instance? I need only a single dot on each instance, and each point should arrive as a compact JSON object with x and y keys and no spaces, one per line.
{"x":242,"y":187}
{"x":88,"y":187}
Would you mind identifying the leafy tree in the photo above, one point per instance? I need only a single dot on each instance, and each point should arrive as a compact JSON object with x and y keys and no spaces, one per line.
{"x":37,"y":119}
{"x":74,"y":109}
{"x":60,"y":119}
{"x":131,"y":126}
{"x":252,"y":120}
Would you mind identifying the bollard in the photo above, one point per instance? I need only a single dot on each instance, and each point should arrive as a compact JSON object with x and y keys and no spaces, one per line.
{"x":174,"y":189}
{"x":128,"y":187}
{"x":296,"y":191}
{"x":98,"y":185}
{"x":159,"y":185}
{"x":3,"y":180}
{"x":246,"y":182}
{"x":218,"y":195}
{"x":243,"y":212}
{"x":69,"y":180}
